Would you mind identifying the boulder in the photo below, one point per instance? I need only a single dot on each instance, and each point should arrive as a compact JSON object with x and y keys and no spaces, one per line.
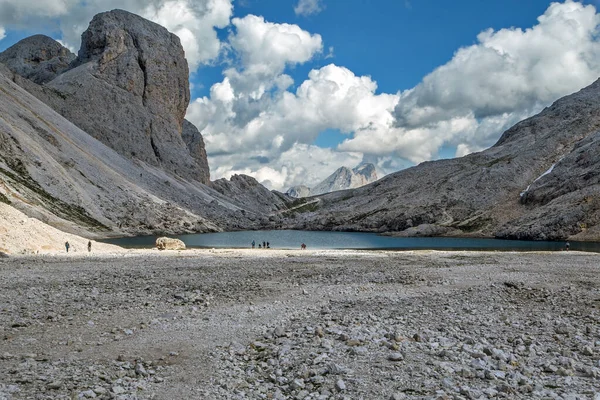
{"x":165,"y":243}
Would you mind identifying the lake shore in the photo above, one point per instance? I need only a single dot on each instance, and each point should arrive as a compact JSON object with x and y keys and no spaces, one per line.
{"x":313,"y":324}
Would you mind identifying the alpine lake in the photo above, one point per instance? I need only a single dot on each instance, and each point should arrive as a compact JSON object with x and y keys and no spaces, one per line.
{"x":291,"y":239}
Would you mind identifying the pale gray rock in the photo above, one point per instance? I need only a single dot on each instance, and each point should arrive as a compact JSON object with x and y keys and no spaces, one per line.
{"x":57,"y":173}
{"x":38,"y":58}
{"x":248,"y":193}
{"x":195,"y":144}
{"x":346,"y":178}
{"x":165,"y":243}
{"x":129,"y":89}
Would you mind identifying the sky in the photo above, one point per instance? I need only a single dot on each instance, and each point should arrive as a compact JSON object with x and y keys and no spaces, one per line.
{"x":287,"y":91}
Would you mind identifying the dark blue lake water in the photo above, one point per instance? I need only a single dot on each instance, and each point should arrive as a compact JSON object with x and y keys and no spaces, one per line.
{"x":288,"y":239}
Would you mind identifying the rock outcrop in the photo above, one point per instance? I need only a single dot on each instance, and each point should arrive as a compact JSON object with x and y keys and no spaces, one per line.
{"x":195,"y":144}
{"x":37,"y":58}
{"x":143,"y":170}
{"x":129,"y":89}
{"x":245,"y":191}
{"x":343,"y":178}
{"x":540,"y":181}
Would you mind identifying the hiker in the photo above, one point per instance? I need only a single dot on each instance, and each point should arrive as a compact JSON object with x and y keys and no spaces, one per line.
{"x":259,"y":246}
{"x":268,"y":245}
{"x":67,"y":245}
{"x":89,"y":246}
{"x":303,"y":246}
{"x":253,"y":243}
{"x":264,"y":245}
{"x":567,"y":246}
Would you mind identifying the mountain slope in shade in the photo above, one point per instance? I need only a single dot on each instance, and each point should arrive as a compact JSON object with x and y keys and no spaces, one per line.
{"x":507,"y":191}
{"x":343,"y":178}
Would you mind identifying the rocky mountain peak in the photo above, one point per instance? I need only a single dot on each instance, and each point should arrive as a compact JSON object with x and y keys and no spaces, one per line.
{"x":38,"y":58}
{"x":141,"y":57}
{"x":365,"y":173}
{"x":343,"y":178}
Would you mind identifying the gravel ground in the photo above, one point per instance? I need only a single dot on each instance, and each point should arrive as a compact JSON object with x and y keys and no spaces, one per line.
{"x":275,"y":324}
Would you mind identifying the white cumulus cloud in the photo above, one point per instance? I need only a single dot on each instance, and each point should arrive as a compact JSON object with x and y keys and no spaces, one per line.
{"x":308,"y":7}
{"x":2,"y":33}
{"x":258,"y":115}
{"x":507,"y":75}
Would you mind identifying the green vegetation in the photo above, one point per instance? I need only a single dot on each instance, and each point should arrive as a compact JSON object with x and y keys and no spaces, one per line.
{"x":58,"y":207}
{"x":310,"y":207}
{"x":4,"y":199}
{"x":505,"y":159}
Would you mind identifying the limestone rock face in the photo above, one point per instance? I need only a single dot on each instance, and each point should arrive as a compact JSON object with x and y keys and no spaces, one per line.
{"x":165,"y":243}
{"x":195,"y":144}
{"x":129,"y":89}
{"x":38,"y":58}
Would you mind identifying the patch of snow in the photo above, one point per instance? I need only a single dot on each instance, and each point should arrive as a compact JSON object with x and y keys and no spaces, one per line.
{"x":540,"y":177}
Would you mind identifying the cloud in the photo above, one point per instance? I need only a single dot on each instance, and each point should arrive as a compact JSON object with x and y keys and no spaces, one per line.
{"x":506,"y":76}
{"x":485,"y":88}
{"x":2,"y":33}
{"x":193,"y":21}
{"x":240,"y":112}
{"x":308,"y":7}
{"x":236,"y":123}
{"x":21,"y":11}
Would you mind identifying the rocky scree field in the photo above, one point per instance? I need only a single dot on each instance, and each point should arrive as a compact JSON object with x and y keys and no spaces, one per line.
{"x":301,"y":325}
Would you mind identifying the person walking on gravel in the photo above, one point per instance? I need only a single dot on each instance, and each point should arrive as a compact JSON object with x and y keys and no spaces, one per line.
{"x":67,"y":245}
{"x":89,"y":246}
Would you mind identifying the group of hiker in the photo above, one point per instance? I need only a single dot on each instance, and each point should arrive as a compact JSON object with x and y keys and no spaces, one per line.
{"x":89,"y":246}
{"x":265,"y":245}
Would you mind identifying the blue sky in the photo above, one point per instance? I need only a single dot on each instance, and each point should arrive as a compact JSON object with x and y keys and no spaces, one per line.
{"x":393,"y":82}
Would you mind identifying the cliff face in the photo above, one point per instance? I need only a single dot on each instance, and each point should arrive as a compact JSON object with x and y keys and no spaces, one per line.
{"x":503,"y":191}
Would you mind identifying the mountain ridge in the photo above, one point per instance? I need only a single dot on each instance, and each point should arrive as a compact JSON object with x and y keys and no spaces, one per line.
{"x":341,"y":179}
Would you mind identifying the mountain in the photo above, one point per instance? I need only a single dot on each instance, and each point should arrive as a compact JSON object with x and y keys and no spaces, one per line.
{"x":102,"y":147}
{"x":128,"y":88}
{"x":37,"y":58}
{"x":343,"y":178}
{"x":540,"y":181}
